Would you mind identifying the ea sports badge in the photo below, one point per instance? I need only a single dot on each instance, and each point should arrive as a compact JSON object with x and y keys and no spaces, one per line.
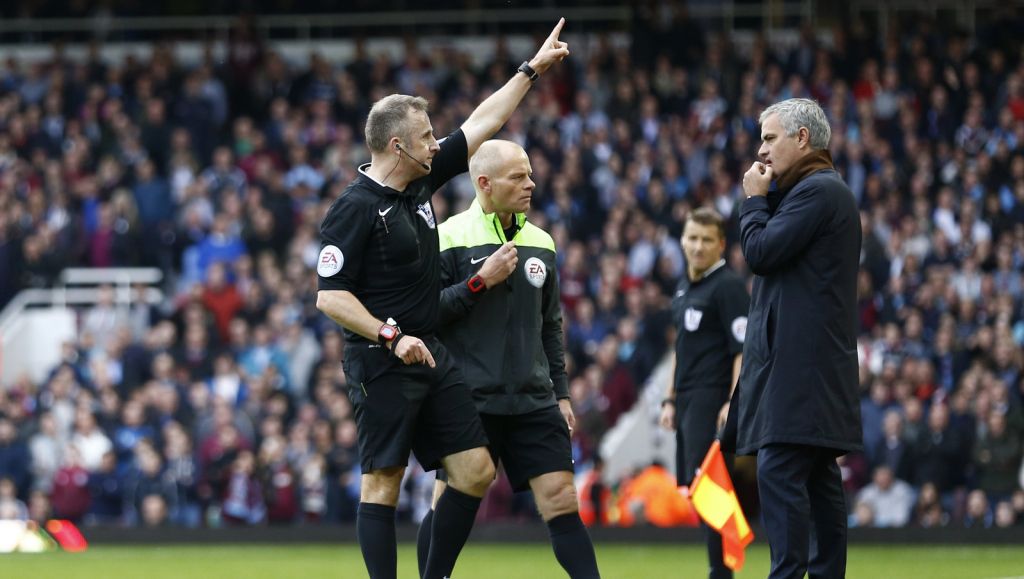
{"x":330,"y":261}
{"x":536,"y":272}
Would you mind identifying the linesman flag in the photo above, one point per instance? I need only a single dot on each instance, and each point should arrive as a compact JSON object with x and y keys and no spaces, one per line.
{"x":715,"y":501}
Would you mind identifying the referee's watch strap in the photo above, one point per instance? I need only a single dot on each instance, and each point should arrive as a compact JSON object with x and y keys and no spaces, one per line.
{"x":394,"y":343}
{"x":528,"y":70}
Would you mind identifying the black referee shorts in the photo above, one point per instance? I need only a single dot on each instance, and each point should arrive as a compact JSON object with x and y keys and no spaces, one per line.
{"x":399,"y":408}
{"x":528,"y":445}
{"x":696,"y":426}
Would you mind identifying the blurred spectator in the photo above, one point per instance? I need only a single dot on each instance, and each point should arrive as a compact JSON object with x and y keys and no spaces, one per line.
{"x":928,"y":511}
{"x":1005,"y":517}
{"x":221,"y":245}
{"x":278,"y":481}
{"x":181,"y":472}
{"x":997,"y":454}
{"x":892,"y":450}
{"x":71,"y":496}
{"x":243,"y":495}
{"x":155,"y":206}
{"x":978,"y":514}
{"x":153,"y":511}
{"x":131,"y":431}
{"x":223,"y":177}
{"x":39,"y":507}
{"x":889,"y":498}
{"x":14,"y":458}
{"x":47,"y":451}
{"x":618,"y":386}
{"x":89,"y":440}
{"x":103,"y":319}
{"x":107,"y":491}
{"x":221,"y":298}
{"x":937,"y":452}
{"x":595,"y":496}
{"x":863,"y":515}
{"x":343,"y":473}
{"x":146,"y":479}
{"x":652,"y":496}
{"x":11,"y":507}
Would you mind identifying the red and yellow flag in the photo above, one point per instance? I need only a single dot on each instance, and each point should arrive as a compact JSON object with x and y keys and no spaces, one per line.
{"x":715,"y":501}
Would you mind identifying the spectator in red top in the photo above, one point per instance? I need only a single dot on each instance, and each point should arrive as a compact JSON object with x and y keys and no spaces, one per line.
{"x":221,"y":298}
{"x":70,"y":496}
{"x":619,"y":387}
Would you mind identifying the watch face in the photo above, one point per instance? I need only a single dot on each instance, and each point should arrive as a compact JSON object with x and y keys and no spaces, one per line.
{"x":388,"y":332}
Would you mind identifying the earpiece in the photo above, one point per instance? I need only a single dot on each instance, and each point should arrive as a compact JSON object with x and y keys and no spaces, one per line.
{"x":425,"y":166}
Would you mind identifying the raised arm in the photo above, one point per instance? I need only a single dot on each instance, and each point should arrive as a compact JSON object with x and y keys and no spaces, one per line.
{"x":490,"y":115}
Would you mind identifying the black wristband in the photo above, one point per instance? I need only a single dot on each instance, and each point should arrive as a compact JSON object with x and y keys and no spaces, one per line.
{"x":665,"y":401}
{"x":394,"y":343}
{"x":528,"y":70}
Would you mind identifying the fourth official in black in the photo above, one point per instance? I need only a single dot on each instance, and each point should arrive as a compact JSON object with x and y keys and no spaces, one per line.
{"x":710,"y":314}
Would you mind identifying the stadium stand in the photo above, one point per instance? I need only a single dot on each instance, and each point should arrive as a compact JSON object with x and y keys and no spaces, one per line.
{"x":225,"y":403}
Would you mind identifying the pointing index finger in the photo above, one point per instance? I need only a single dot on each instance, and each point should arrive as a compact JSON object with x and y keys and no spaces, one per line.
{"x":557,"y":30}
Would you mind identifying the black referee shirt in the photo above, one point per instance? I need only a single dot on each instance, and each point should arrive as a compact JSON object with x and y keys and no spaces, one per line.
{"x":711,"y":321}
{"x":381,"y":244}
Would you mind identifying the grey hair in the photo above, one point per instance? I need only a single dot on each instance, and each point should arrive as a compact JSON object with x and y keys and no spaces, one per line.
{"x":796,"y":113}
{"x":388,"y":118}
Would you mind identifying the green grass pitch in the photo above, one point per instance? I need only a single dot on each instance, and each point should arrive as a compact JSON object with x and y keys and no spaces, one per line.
{"x":485,"y":561}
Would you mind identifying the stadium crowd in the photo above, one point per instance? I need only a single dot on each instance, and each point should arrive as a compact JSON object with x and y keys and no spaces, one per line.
{"x":227,"y":404}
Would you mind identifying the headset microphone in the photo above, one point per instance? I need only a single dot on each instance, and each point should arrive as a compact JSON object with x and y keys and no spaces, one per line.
{"x":425,"y":166}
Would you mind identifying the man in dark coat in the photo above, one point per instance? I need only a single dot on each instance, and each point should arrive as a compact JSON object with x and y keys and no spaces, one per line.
{"x":796,"y":406}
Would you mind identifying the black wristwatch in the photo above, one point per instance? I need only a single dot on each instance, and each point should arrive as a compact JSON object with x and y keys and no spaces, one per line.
{"x":526,"y":69}
{"x":668,"y":401}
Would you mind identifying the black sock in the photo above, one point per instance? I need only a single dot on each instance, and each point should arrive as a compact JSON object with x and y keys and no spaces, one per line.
{"x":453,"y":520}
{"x":573,"y":549}
{"x":375,"y":527}
{"x":423,"y":540}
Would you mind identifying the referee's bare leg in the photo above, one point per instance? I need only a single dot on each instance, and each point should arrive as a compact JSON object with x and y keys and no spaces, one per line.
{"x":555,"y":494}
{"x":470,"y":472}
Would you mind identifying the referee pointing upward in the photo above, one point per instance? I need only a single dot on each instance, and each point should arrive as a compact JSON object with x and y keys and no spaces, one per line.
{"x":379,"y":278}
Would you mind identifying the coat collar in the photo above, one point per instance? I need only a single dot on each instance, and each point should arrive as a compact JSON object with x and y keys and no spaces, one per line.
{"x":810,"y":163}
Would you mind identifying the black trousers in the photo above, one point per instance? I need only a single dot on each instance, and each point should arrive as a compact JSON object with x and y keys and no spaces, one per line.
{"x":696,"y":423}
{"x":803,"y":510}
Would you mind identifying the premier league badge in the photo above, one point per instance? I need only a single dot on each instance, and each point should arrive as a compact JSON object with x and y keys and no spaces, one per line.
{"x":427,"y":214}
